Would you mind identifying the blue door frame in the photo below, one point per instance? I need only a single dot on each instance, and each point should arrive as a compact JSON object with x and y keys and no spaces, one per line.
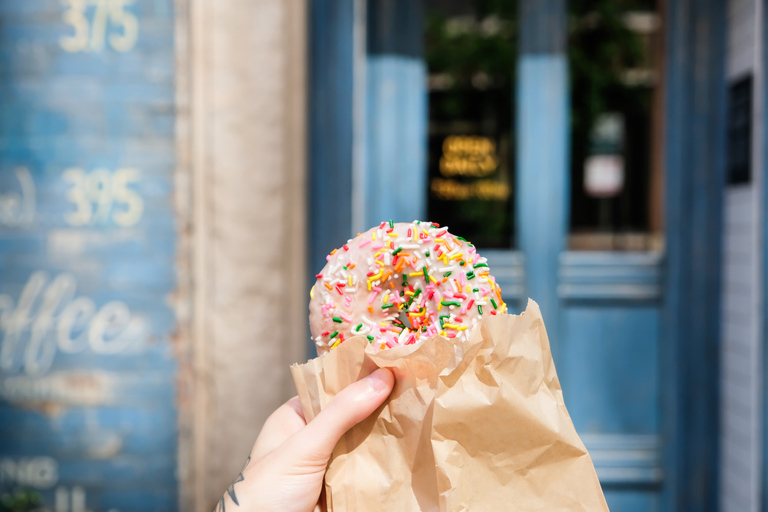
{"x":695,"y":140}
{"x":676,"y":295}
{"x":331,"y":94}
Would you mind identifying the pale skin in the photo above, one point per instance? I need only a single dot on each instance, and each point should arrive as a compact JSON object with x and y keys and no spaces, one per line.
{"x":288,"y":461}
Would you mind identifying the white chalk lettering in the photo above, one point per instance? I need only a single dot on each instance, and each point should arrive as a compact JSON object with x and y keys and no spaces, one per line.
{"x":35,"y":472}
{"x":100,"y":196}
{"x":71,"y":500}
{"x":85,"y":387}
{"x":17,"y":207}
{"x":89,"y":25}
{"x":42,"y":473}
{"x":48,"y":318}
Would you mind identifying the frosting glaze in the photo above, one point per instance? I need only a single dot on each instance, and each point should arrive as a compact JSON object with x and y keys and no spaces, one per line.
{"x":398,"y":282}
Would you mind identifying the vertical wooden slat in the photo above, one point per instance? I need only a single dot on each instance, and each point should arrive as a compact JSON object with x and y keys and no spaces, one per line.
{"x":331,"y":92}
{"x":331,"y":129}
{"x":694,"y":185}
{"x":396,"y":112}
{"x":542,"y":160}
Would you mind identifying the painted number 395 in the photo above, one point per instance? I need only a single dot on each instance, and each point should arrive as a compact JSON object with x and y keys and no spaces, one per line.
{"x":101,"y":196}
{"x":89,"y":20}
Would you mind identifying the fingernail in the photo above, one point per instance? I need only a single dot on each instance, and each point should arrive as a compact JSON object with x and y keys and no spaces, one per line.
{"x":378,"y":380}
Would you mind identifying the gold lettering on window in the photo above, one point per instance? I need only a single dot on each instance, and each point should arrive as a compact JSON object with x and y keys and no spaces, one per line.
{"x":486,"y":190}
{"x":470,"y":156}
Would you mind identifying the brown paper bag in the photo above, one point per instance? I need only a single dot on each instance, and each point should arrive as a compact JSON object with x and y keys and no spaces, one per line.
{"x":479,"y":426}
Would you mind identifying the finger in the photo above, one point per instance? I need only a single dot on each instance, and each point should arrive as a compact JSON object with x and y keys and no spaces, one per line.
{"x":282,"y":424}
{"x":351,"y":406}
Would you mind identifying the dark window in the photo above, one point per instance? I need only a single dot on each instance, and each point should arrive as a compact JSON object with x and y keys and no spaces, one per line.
{"x":616,"y":164}
{"x":471,"y":52}
{"x":740,"y":131}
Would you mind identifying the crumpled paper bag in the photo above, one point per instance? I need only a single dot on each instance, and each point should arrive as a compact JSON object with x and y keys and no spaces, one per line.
{"x":477,"y":426}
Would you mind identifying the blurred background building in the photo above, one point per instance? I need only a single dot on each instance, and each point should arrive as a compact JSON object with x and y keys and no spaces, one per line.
{"x":173,"y":172}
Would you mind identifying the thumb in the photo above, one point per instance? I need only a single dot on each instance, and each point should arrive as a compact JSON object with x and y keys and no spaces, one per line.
{"x":351,"y":406}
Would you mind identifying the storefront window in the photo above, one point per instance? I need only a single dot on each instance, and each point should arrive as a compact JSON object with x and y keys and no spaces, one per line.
{"x":470,"y":52}
{"x":614,"y":51}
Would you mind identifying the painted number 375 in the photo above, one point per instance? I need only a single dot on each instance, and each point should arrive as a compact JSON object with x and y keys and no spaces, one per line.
{"x":90,"y":20}
{"x":101,"y":196}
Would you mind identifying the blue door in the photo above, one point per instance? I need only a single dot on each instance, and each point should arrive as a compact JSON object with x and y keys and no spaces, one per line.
{"x":631,"y":310}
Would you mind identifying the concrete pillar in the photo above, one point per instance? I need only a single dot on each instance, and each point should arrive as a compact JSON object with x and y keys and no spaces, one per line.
{"x":241,"y":180}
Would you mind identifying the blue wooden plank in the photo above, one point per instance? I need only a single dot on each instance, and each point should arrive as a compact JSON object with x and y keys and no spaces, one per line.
{"x":396,"y":134}
{"x":695,"y":131}
{"x":542,"y":178}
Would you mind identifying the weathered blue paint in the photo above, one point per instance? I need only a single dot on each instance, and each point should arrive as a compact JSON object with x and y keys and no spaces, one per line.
{"x":542,"y":179}
{"x":396,"y":136}
{"x":331,"y":94}
{"x":695,"y":138}
{"x":95,"y":416}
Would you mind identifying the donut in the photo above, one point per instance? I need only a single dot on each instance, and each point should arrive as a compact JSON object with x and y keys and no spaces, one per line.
{"x":398,"y":283}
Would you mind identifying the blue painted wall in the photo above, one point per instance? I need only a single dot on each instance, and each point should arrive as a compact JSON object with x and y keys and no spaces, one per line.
{"x":87,"y":252}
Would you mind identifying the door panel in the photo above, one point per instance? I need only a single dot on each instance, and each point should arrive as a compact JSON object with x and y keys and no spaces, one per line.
{"x":609,"y":367}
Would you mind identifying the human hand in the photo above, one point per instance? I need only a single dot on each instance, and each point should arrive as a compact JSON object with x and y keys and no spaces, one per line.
{"x":287,"y":464}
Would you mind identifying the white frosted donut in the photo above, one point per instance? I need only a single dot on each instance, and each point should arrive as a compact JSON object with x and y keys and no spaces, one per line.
{"x":398,"y":282}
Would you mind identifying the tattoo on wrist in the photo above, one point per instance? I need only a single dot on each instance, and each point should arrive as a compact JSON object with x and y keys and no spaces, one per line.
{"x":231,"y":489}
